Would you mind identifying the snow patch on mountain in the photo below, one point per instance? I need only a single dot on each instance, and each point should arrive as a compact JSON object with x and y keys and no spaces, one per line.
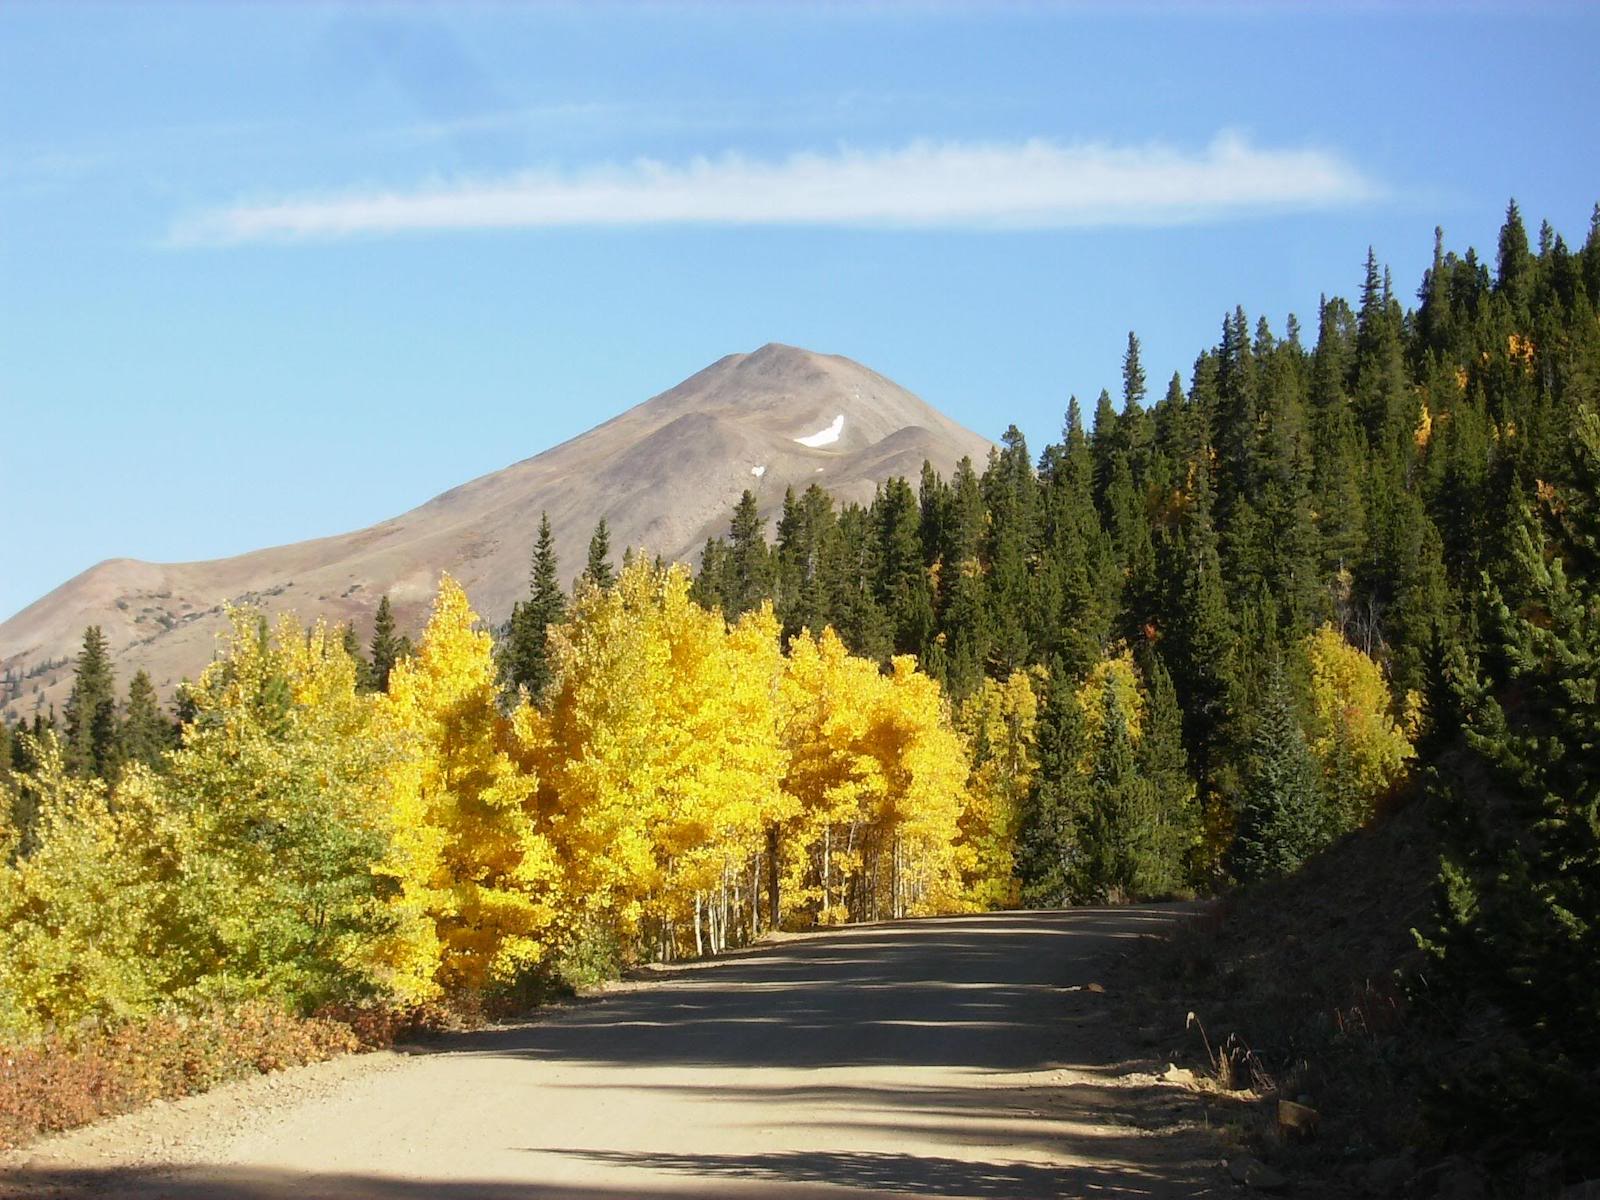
{"x":824,"y":437}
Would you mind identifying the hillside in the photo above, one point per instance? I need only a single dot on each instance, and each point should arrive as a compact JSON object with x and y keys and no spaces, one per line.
{"x":664,"y":474}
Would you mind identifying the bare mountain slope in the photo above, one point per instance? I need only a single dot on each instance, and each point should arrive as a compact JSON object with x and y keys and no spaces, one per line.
{"x":664,"y":474}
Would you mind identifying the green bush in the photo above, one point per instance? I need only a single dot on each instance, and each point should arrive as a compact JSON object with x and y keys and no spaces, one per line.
{"x":595,"y":957}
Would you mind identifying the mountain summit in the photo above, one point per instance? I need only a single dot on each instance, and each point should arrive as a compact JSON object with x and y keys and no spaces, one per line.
{"x":665,"y":475}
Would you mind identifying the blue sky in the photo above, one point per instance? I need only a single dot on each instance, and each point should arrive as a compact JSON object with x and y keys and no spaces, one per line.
{"x":268,"y":273}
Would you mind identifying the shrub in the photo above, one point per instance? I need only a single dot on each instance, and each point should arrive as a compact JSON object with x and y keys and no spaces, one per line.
{"x":66,"y":1079}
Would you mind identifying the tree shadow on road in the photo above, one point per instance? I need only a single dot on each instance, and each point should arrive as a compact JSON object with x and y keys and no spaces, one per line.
{"x":965,"y":992}
{"x":240,"y":1183}
{"x":900,"y":1173}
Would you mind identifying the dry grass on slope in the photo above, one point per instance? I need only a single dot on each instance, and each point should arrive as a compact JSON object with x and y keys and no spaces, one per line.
{"x":1301,"y":990}
{"x":64,"y":1080}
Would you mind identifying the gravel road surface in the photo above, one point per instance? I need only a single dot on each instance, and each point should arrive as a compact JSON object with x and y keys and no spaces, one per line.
{"x":952,"y":1057}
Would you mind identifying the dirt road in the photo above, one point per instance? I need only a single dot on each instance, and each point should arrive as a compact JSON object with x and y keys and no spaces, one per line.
{"x":958,"y":1057}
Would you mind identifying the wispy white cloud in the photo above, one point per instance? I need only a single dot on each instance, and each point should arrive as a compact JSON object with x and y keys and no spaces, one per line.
{"x":1036,"y":184}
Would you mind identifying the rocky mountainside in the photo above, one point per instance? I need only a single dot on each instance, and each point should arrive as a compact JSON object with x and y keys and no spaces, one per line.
{"x":665,"y":475}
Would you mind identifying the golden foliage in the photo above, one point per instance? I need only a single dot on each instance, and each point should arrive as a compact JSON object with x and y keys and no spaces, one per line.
{"x":878,"y":774}
{"x":474,"y":876}
{"x":662,"y":759}
{"x":82,"y":909}
{"x":998,"y":722}
{"x":1116,"y":671}
{"x":311,"y":842}
{"x":1424,"y":430}
{"x":1362,"y":749}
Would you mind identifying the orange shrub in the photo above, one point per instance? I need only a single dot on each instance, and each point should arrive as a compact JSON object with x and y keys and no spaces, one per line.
{"x":63,"y":1080}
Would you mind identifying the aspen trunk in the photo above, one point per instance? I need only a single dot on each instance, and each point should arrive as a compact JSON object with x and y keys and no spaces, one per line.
{"x":827,"y":877}
{"x":775,"y":916}
{"x":895,"y":903}
{"x":722,"y":925}
{"x":717,"y":928}
{"x":755,"y":896}
{"x":855,"y":897}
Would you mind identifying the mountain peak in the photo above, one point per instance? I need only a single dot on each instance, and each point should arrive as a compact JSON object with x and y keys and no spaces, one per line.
{"x":665,"y":475}
{"x":780,"y":355}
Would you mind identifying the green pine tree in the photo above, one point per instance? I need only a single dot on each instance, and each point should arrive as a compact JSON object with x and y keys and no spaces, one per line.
{"x":1049,"y":854}
{"x":1133,"y":381}
{"x":935,"y":499}
{"x":711,"y":579}
{"x":1237,"y":423}
{"x":91,"y":714}
{"x":1338,"y":455}
{"x":146,"y":733}
{"x":352,"y":646}
{"x":1518,"y":932}
{"x":1078,"y":560}
{"x":1202,"y":657}
{"x":1379,"y":385}
{"x":805,"y":534}
{"x":1119,"y":832}
{"x":1135,"y":429}
{"x":386,"y":647}
{"x":1290,"y":566}
{"x":1135,"y":551}
{"x":748,"y":567}
{"x":1514,"y":263}
{"x":1281,"y":820}
{"x":1010,"y":493}
{"x":1105,"y":446}
{"x":1164,"y":765}
{"x":525,"y":661}
{"x":598,"y":570}
{"x":902,"y":586}
{"x":850,"y":575}
{"x":963,"y":594}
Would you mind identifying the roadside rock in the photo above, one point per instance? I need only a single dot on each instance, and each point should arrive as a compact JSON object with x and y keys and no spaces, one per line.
{"x":1179,"y":1075}
{"x":1297,"y":1122}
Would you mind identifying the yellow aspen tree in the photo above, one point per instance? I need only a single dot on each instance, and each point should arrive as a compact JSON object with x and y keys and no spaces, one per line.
{"x":759,"y":804}
{"x":926,"y":767}
{"x":697,"y":777}
{"x":834,"y":783}
{"x":470,"y":858}
{"x":1360,"y":747}
{"x":599,"y":779}
{"x":740,"y":724}
{"x":664,"y":759}
{"x":86,"y":915}
{"x":998,"y":724}
{"x":1118,"y":672}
